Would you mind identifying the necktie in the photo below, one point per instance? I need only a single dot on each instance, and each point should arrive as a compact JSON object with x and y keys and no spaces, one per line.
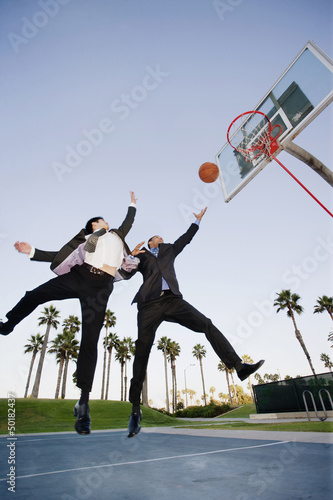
{"x":91,"y":243}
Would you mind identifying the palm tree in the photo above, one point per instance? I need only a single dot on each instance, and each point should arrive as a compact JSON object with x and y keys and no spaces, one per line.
{"x":112,"y":341}
{"x":212,"y":391}
{"x":222,"y":368}
{"x":164,"y":346}
{"x":191,"y":394}
{"x":330,"y":338}
{"x":50,"y":319}
{"x":223,"y":397}
{"x":145,"y":391}
{"x":199,"y":352}
{"x":326,"y":360}
{"x":57,"y":348}
{"x":129,"y":352}
{"x":287,"y":300}
{"x":248,"y":359}
{"x":231,"y":372}
{"x":174,"y":351}
{"x":324,"y":303}
{"x":72,"y":352}
{"x":121,"y":352}
{"x":109,"y":322}
{"x":66,"y":347}
{"x":35,"y":345}
{"x":71,"y":327}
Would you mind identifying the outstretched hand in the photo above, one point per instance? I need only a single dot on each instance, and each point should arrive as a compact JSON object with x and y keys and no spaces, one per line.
{"x":202,"y":213}
{"x":22,"y":247}
{"x":137,"y":250}
{"x":133,"y":199}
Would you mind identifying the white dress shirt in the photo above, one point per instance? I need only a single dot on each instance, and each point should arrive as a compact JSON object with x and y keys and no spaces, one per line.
{"x":109,"y":251}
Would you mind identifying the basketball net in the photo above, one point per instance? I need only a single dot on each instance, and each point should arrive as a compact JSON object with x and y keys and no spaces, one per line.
{"x":252,"y":135}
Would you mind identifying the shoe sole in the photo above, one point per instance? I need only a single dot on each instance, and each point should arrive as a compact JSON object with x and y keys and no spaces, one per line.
{"x":132,"y":434}
{"x":247,"y":376}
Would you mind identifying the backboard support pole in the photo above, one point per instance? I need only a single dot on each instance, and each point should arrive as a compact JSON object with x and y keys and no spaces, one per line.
{"x":310,"y":160}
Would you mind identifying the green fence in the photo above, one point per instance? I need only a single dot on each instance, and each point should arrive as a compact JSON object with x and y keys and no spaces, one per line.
{"x":287,"y":395}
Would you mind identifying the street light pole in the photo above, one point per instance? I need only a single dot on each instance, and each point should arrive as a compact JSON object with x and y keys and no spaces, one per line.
{"x":192,"y":364}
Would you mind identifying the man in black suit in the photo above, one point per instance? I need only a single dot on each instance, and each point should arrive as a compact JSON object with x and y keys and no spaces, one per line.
{"x":86,"y":267}
{"x":159,"y":299}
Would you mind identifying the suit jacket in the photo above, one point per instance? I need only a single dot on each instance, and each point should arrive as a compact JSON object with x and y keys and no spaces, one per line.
{"x":73,"y":252}
{"x":153,"y":268}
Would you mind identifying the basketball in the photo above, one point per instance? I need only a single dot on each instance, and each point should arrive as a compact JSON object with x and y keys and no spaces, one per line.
{"x":208,"y":172}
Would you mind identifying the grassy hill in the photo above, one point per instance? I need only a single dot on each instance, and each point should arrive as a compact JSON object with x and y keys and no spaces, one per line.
{"x":50,"y":415}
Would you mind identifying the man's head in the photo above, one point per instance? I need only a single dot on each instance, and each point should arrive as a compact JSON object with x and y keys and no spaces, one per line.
{"x":154,"y":241}
{"x":96,"y":223}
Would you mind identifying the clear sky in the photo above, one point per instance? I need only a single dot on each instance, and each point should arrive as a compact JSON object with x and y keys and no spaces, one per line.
{"x":103,"y":97}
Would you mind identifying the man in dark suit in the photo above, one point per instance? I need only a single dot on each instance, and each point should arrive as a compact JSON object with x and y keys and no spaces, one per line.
{"x":159,"y":299}
{"x":86,"y":267}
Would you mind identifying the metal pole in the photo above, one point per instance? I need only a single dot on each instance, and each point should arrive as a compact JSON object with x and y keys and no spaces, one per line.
{"x":309,"y":159}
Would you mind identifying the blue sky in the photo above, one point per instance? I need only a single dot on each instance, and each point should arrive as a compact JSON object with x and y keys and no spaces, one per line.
{"x":103,"y":97}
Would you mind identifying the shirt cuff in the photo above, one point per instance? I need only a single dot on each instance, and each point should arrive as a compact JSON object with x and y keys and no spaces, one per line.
{"x":32,"y":253}
{"x":132,"y":204}
{"x":197,"y":222}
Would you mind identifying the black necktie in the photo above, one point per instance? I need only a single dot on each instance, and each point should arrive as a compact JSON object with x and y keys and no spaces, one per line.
{"x":91,"y":243}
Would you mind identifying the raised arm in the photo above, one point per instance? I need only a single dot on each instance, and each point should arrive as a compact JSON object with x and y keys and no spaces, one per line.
{"x":186,"y":238}
{"x":127,"y":223}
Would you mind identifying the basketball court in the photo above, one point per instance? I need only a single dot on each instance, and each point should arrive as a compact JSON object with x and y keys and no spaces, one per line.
{"x":171,"y":463}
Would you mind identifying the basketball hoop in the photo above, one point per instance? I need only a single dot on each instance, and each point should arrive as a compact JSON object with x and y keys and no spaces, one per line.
{"x":254,"y":137}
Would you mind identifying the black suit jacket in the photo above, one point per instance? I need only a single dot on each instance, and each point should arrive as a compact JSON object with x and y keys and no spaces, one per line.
{"x":57,"y":258}
{"x":153,"y":268}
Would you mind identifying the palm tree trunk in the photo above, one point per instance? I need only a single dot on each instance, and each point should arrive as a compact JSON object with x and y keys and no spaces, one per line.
{"x":104,"y":362}
{"x":61,"y":365}
{"x":234,"y":388}
{"x":64,"y":378}
{"x":174,"y":395}
{"x":228,"y":384}
{"x":145,"y":391}
{"x":125,"y":381}
{"x":166,"y":381}
{"x":122,"y":383}
{"x":301,"y":341}
{"x":30,"y":371}
{"x":35,"y":389}
{"x":203,"y":382}
{"x":108,"y":375}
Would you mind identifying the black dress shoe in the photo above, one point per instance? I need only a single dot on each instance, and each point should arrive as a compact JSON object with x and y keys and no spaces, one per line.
{"x":246,"y":369}
{"x":134,"y":424}
{"x":82,"y":424}
{"x":5,"y":329}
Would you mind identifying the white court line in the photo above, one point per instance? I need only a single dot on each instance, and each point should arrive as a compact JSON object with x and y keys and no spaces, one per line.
{"x":148,"y":460}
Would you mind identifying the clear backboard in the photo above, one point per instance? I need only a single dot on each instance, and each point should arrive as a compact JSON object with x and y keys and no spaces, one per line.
{"x":298,"y":96}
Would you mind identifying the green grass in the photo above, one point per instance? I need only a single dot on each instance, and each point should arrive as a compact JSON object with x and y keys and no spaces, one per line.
{"x":242,"y":412}
{"x":315,"y":426}
{"x":50,"y":415}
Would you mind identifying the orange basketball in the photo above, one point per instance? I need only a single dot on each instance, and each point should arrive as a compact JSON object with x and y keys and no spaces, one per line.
{"x":208,"y":172}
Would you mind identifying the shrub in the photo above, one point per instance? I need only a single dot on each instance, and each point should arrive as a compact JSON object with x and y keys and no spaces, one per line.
{"x":209,"y":411}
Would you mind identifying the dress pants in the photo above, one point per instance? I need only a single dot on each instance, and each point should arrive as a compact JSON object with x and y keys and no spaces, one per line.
{"x":93,"y":291}
{"x":175,"y":310}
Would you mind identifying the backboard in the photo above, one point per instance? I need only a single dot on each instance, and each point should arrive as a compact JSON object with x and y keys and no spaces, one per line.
{"x":298,"y":96}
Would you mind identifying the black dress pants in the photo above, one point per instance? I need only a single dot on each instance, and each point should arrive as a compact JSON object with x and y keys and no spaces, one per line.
{"x":175,"y":310}
{"x":93,"y":291}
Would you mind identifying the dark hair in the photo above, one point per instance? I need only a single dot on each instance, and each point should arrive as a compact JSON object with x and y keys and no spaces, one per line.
{"x":88,"y":227}
{"x":150,"y":240}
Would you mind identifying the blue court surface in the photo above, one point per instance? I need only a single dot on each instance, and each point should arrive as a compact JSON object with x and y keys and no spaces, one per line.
{"x":168,"y":463}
